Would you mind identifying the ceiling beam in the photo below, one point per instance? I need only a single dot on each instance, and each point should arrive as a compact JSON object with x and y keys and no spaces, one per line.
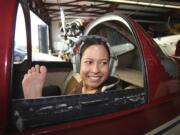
{"x":150,"y":3}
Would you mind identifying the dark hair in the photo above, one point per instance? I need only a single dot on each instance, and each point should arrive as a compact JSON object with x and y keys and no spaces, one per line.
{"x":87,"y":41}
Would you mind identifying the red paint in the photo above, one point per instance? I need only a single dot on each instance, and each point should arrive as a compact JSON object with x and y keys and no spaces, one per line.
{"x":7,"y":15}
{"x":163,"y":102}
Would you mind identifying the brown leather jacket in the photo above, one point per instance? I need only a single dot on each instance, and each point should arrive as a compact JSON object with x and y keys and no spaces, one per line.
{"x":111,"y":84}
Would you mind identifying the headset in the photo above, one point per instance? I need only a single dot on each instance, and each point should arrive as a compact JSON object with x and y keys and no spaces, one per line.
{"x":87,"y":41}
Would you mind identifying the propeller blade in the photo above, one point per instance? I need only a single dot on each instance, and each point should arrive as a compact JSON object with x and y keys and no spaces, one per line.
{"x":63,"y":20}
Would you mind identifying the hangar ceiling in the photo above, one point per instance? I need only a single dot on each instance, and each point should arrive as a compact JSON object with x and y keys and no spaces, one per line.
{"x":147,"y":11}
{"x":159,"y":13}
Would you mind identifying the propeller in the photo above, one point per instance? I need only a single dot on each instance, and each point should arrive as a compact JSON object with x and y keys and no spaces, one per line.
{"x":71,"y":33}
{"x":63,"y":21}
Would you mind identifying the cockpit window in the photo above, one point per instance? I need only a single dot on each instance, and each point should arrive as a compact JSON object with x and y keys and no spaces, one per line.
{"x":58,"y":108}
{"x":20,"y":38}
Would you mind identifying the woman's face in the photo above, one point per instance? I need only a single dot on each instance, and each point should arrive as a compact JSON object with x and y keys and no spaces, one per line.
{"x":94,"y":68}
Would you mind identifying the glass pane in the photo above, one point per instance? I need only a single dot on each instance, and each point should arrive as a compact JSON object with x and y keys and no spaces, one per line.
{"x":40,"y":40}
{"x":122,"y":41}
{"x":20,"y":49}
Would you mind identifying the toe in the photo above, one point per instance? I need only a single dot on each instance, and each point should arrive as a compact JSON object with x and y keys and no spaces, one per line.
{"x":29,"y":71}
{"x":43,"y":69}
{"x":37,"y":68}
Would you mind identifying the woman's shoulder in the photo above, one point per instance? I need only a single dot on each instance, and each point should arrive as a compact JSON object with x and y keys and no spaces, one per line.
{"x":76,"y":90}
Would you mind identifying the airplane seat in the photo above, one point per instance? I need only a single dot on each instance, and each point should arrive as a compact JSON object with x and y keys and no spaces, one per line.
{"x":129,"y":60}
{"x":136,"y":64}
{"x":72,"y":80}
{"x":130,"y":70}
{"x":125,"y":60}
{"x":51,"y":90}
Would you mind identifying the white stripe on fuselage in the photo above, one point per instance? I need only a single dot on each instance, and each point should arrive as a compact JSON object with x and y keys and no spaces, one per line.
{"x":169,"y":128}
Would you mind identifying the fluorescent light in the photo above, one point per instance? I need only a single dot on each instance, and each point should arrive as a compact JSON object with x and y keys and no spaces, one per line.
{"x":144,"y":3}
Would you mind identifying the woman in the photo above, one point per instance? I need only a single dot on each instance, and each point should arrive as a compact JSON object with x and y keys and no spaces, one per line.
{"x":95,"y":60}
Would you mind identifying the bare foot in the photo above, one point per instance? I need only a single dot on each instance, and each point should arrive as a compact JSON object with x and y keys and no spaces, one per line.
{"x":33,"y":82}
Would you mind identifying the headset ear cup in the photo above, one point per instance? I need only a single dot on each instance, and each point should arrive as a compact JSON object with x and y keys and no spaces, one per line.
{"x":73,"y":61}
{"x":76,"y":63}
{"x":112,"y":66}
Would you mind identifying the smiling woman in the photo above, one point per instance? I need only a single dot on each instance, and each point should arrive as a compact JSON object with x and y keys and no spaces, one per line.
{"x":95,"y":61}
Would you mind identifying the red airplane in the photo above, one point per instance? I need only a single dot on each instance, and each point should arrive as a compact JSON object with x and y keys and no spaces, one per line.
{"x":148,"y":103}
